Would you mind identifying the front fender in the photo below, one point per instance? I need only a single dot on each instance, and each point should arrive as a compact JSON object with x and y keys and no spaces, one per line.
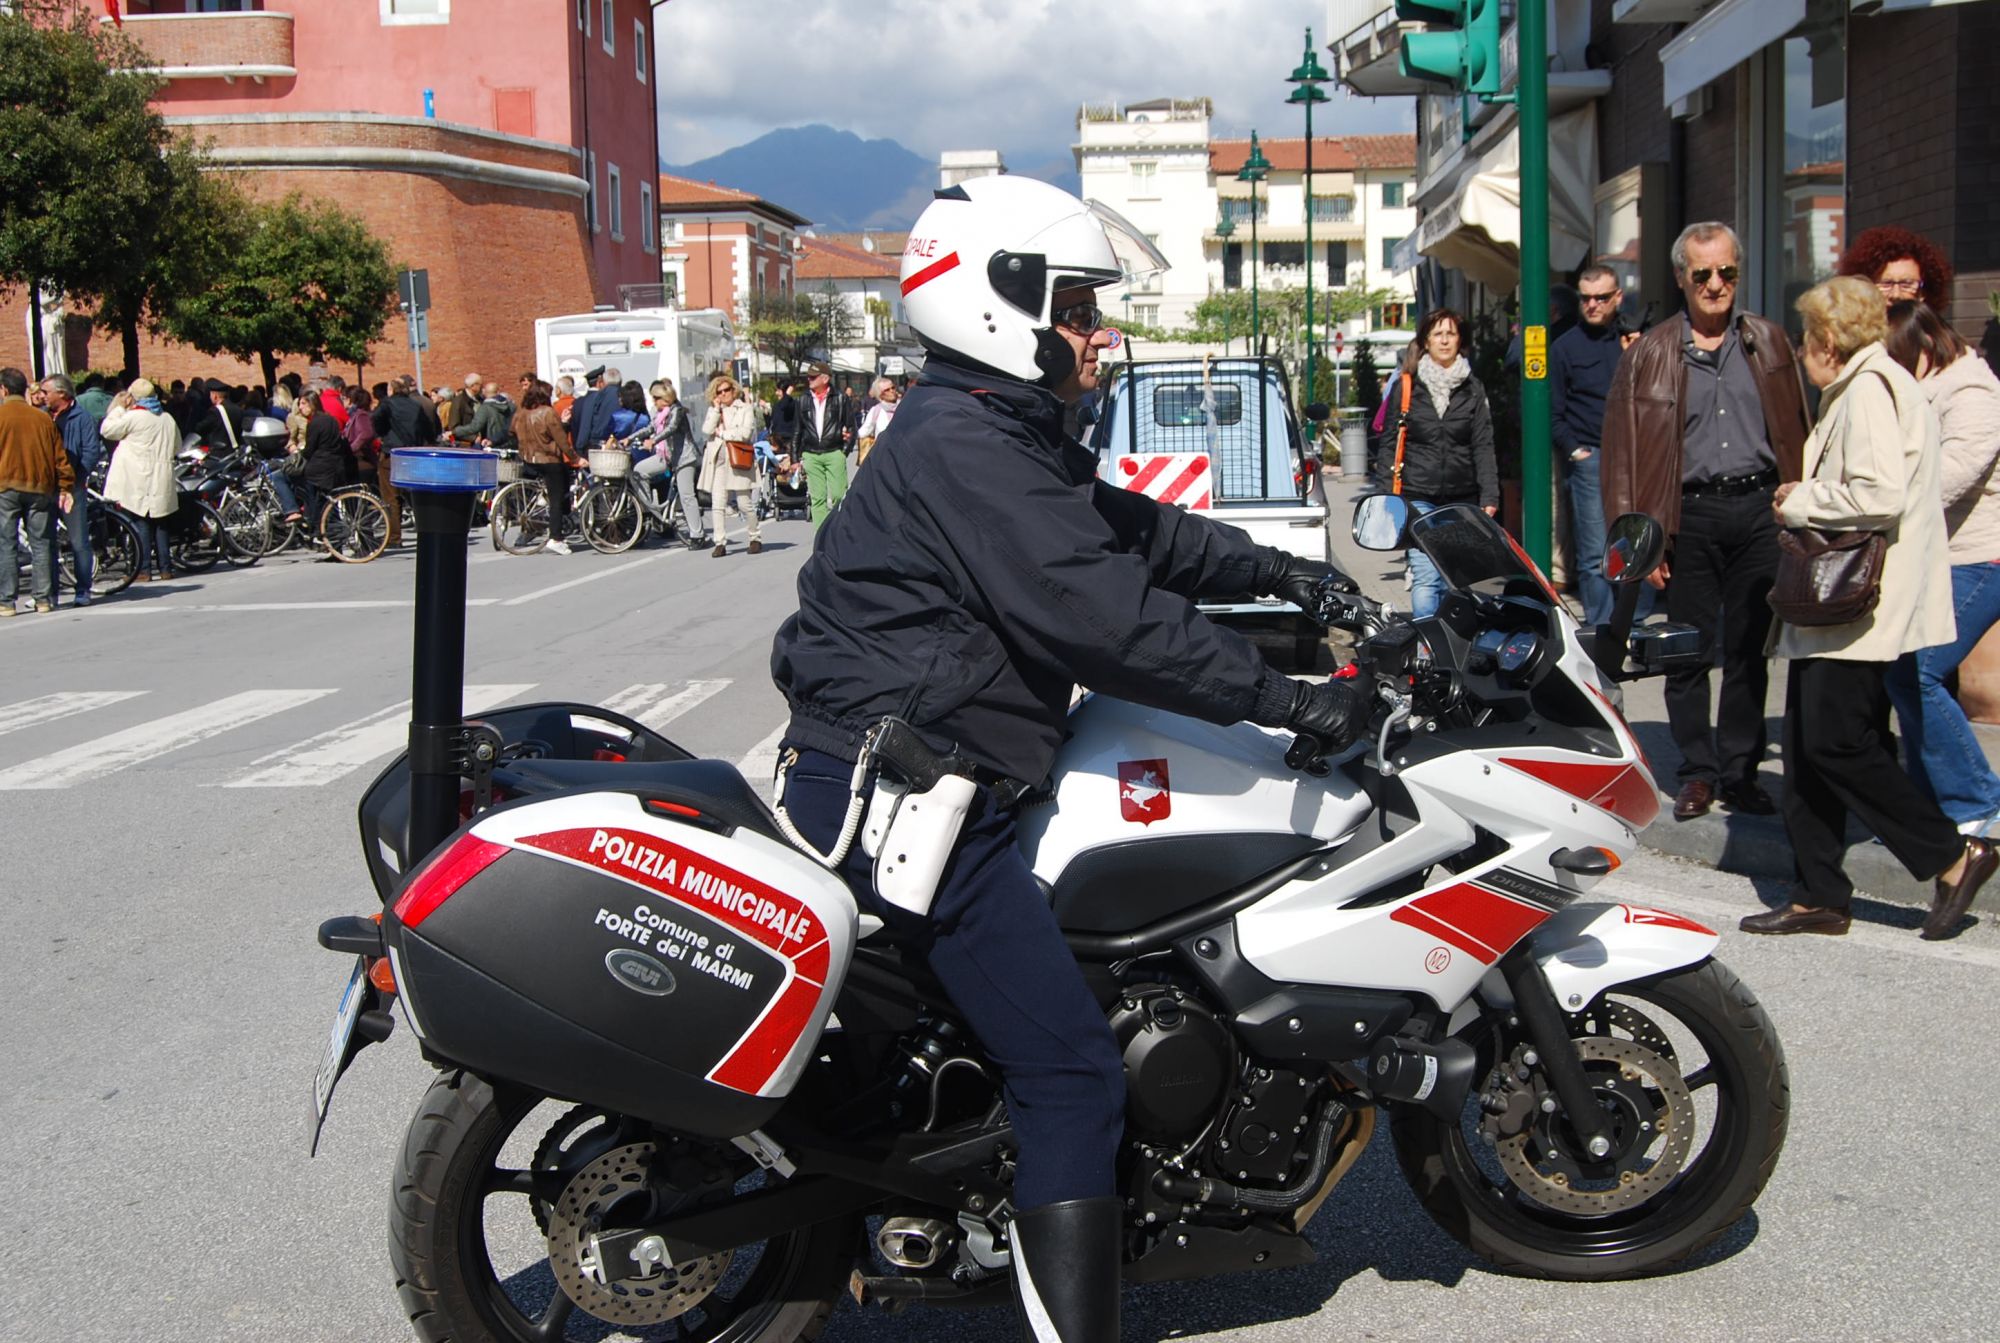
{"x":1587,"y":948}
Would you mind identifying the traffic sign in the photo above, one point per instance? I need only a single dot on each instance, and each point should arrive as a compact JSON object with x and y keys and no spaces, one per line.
{"x":413,"y":287}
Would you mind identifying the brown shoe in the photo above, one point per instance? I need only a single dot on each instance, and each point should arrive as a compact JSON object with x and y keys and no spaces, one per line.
{"x":1794,"y":919}
{"x":1694,"y":799}
{"x":756,"y":547}
{"x":719,"y":551}
{"x":1952,"y":899}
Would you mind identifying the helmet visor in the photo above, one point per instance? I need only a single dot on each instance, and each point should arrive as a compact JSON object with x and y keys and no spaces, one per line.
{"x":1137,"y":254}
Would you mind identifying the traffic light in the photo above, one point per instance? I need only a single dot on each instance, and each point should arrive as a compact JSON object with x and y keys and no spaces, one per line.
{"x":1468,"y":57}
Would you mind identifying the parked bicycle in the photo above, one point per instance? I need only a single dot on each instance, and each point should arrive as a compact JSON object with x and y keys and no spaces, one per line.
{"x":518,"y":518}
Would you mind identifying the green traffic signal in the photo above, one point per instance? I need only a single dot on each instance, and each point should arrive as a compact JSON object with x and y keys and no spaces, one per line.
{"x":1468,"y":57}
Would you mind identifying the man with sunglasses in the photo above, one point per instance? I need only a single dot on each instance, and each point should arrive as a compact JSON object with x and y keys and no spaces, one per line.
{"x":1706,"y":417}
{"x":976,"y":574}
{"x":1582,"y":362}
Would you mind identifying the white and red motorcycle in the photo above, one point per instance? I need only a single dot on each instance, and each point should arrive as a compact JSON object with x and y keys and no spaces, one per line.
{"x":680,"y":1074}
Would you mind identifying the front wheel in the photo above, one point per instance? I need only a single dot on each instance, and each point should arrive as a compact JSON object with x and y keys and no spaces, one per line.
{"x":610,"y":518}
{"x":1692,"y":1079}
{"x":496,"y":1193}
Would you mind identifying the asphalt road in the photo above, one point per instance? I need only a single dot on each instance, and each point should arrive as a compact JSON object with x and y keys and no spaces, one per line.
{"x":178,"y":772}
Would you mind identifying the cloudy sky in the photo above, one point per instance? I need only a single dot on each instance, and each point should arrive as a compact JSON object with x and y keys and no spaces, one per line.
{"x":977,"y":74}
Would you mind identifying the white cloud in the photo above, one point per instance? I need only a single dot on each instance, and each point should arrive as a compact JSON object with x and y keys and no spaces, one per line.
{"x":979,"y":74}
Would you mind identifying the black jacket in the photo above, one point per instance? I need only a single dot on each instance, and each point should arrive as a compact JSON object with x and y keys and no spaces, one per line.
{"x":1447,"y":459}
{"x":784,"y":421}
{"x":329,"y":465}
{"x":831,"y":437}
{"x":407,"y":422}
{"x":978,"y":569}
{"x":207,"y":421}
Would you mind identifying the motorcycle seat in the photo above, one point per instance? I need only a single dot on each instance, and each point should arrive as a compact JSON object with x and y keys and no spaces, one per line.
{"x":713,"y":787}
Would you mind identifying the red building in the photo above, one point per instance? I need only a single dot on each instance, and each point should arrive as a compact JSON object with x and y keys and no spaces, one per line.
{"x":719,"y":246}
{"x":506,"y":146}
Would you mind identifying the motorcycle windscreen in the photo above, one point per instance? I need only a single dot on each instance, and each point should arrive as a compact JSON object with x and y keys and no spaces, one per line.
{"x":1474,"y":553}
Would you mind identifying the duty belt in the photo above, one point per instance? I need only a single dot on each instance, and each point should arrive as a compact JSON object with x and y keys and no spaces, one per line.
{"x":1721,"y":486}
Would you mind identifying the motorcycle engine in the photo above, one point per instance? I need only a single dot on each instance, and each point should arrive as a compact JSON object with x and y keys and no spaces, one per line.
{"x":1179,"y":1062}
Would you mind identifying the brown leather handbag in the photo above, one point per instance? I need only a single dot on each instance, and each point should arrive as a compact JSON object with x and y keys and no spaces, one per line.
{"x":742,"y":456}
{"x":1827,"y":578}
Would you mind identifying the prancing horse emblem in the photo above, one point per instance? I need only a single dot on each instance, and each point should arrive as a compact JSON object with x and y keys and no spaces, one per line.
{"x":1143,"y":792}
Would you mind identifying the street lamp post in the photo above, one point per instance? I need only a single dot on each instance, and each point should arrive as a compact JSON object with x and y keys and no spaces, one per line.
{"x":1307,"y":91}
{"x":1255,"y":169}
{"x":1225,"y":229}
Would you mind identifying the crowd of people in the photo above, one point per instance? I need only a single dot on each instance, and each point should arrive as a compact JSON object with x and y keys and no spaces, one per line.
{"x":1704,"y":422}
{"x":55,"y":434}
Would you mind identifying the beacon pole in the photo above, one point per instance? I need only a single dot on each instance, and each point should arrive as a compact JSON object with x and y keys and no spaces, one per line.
{"x":443,"y":484}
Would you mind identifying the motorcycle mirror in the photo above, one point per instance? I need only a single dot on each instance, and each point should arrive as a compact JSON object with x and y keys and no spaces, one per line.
{"x":1379,"y":520}
{"x":1633,"y":547}
{"x":1319,"y":411}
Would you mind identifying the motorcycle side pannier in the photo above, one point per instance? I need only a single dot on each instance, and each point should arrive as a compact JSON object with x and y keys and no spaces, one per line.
{"x":631,"y":954}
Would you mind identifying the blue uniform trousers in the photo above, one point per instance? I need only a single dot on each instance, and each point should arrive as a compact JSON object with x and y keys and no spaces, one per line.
{"x":993,"y":942}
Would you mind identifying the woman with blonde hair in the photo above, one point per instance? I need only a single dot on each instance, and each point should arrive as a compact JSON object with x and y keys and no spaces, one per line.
{"x":877,"y":419}
{"x":730,"y":426}
{"x":141,"y":479}
{"x":1871,"y":464}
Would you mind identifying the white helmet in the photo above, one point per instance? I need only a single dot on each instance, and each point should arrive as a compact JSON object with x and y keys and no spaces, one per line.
{"x":986,"y":258}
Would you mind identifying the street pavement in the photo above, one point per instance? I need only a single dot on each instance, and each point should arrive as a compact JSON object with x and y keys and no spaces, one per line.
{"x":178,"y":775}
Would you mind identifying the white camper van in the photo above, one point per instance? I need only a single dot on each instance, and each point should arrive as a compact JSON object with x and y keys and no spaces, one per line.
{"x":687,"y":347}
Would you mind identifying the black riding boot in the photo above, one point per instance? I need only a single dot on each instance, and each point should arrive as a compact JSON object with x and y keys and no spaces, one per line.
{"x":1066,"y":1271}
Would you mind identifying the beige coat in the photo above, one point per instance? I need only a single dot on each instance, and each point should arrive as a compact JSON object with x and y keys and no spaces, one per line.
{"x":141,"y":479}
{"x":1966,"y":397}
{"x":1872,"y":463}
{"x":739,"y":422}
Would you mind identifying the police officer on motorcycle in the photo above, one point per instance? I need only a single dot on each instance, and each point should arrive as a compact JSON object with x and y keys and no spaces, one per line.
{"x":976,"y":573}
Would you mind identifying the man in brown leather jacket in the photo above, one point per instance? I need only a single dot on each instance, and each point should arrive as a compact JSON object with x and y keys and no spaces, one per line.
{"x":1707,"y":415}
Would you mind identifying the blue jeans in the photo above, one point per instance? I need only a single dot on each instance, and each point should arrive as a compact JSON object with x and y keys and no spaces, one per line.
{"x":1943,"y":753}
{"x":76,"y":525}
{"x":1426,"y":583}
{"x":280,"y":487}
{"x":1586,"y":517}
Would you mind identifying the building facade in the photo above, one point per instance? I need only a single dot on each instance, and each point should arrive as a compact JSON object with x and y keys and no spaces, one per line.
{"x":865,"y":277}
{"x":1800,"y":123}
{"x":505,"y":146}
{"x":719,"y":247}
{"x":1157,"y":164}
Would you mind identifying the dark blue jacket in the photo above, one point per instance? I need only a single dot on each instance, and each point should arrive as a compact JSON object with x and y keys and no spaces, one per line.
{"x":81,"y":441}
{"x":978,"y":569}
{"x":1582,"y":363}
{"x":590,"y":418}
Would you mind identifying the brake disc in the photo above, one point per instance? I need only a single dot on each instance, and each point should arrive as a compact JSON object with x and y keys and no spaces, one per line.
{"x":554,"y":1154}
{"x":1652,"y":1132}
{"x":579,"y":1213}
{"x":1607,"y":1015}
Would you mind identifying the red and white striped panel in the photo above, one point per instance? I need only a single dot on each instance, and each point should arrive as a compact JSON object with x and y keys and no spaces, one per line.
{"x":1171,"y":477}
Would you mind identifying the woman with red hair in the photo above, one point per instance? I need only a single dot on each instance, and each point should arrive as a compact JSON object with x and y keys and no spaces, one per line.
{"x":1901,"y":265}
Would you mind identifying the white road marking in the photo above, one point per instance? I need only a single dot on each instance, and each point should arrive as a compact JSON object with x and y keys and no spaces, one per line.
{"x":679,"y":702}
{"x":107,"y":755}
{"x":100,"y":609}
{"x":48,"y":708}
{"x":761,"y":762}
{"x":339,"y":751}
{"x":554,"y":588}
{"x":634,"y":698}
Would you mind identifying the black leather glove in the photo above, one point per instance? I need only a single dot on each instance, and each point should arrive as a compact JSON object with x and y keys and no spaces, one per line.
{"x":1332,"y":711}
{"x":1299,"y":581}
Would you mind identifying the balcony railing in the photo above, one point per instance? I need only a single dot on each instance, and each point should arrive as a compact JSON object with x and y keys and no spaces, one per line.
{"x":230,"y":45}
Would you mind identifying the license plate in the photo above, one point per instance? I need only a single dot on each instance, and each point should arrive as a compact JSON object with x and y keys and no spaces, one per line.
{"x":339,"y":1044}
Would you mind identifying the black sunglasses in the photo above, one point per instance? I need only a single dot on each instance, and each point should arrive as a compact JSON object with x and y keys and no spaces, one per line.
{"x":1083,"y":318}
{"x":1728,"y":274}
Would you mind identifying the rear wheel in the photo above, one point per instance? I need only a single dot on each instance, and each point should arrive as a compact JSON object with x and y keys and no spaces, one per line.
{"x":198,"y":542}
{"x":114,"y":553}
{"x":520,"y":518}
{"x":496,"y":1193}
{"x":1693,"y":1083}
{"x":248,"y":527}
{"x":611,"y":519}
{"x":354,"y":526}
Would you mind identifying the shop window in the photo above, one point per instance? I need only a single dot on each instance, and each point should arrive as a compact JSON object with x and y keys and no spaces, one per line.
{"x":1810,"y":213}
{"x":1618,"y":231}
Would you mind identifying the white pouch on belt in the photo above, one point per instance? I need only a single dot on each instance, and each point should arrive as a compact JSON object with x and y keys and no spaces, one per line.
{"x":911,"y":835}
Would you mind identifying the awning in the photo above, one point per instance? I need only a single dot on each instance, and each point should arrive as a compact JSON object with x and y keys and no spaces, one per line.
{"x":1478,"y":230}
{"x":1721,"y":40}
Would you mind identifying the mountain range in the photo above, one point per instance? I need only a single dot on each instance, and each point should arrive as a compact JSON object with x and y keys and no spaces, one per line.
{"x":836,"y":179}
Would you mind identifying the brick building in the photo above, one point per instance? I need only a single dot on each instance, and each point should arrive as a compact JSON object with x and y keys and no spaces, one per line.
{"x":1798,"y":122}
{"x":506,"y":146}
{"x":719,"y":246}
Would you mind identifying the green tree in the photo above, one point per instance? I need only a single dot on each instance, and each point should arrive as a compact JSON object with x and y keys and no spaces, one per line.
{"x":800,"y":327}
{"x":196,"y":232}
{"x":85,"y":171}
{"x":303,"y":278}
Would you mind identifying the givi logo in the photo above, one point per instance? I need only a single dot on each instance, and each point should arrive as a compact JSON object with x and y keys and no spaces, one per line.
{"x":1143,"y":792}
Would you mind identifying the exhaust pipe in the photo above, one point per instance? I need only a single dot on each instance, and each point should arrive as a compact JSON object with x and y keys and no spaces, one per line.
{"x":913,"y":1242}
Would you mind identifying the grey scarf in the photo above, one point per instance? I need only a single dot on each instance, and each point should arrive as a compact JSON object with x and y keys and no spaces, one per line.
{"x":1440,"y":381}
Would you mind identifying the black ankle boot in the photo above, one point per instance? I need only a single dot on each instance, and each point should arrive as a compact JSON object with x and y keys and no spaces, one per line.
{"x":1067,"y":1271}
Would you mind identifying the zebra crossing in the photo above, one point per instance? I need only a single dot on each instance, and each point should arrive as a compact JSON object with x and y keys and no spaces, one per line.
{"x":315,"y":761}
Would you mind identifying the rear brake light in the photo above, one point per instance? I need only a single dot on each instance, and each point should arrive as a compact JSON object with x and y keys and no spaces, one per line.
{"x":440,"y":878}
